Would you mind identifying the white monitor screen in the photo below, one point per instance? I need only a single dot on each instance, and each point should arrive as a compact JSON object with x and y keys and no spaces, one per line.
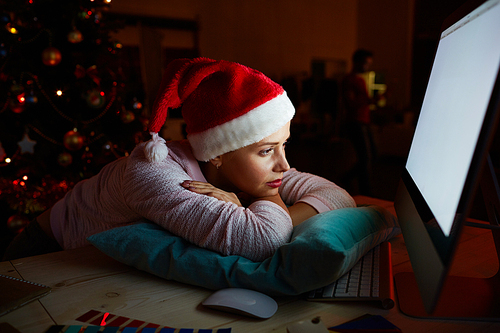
{"x":455,"y":102}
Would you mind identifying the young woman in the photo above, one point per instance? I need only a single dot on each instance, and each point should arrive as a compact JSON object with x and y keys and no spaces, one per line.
{"x":227,"y":188}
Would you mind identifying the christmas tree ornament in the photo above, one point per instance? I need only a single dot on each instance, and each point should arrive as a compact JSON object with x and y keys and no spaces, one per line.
{"x":95,"y":98}
{"x":64,"y":159}
{"x":137,"y":105}
{"x":127,"y":116}
{"x":115,"y":46}
{"x":51,"y":56}
{"x":73,"y":140}
{"x":26,"y":144}
{"x":16,"y":223}
{"x":97,"y":17}
{"x":31,"y":98}
{"x":16,"y":106}
{"x":107,"y":146}
{"x":83,"y":15}
{"x":92,"y":72}
{"x":75,"y":36}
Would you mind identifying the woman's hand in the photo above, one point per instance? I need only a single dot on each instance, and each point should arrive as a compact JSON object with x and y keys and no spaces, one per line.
{"x":211,"y":191}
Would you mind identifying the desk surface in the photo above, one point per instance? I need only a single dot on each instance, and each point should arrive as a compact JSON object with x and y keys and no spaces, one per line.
{"x":85,"y":279}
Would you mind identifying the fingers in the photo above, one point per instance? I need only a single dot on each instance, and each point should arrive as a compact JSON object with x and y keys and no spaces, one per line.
{"x":210,"y":190}
{"x":196,"y":186}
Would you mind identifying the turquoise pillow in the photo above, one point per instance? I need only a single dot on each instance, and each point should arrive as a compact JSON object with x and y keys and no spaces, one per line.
{"x":320,"y":251}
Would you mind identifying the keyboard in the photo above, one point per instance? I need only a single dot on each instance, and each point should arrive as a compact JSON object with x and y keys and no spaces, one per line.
{"x":369,"y":280}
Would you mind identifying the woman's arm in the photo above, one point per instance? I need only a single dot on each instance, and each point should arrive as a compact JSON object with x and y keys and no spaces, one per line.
{"x":314,"y":193}
{"x":300,"y":212}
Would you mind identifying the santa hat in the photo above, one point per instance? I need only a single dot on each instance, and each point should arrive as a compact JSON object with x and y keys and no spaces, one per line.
{"x":226,"y":106}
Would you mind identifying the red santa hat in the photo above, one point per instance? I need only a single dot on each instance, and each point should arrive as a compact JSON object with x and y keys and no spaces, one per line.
{"x":226,"y":106}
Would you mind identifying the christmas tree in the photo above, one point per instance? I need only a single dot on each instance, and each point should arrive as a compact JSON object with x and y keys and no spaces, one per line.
{"x":66,"y":108}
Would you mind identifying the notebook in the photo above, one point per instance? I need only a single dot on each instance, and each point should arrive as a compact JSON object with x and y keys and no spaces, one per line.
{"x":15,"y":293}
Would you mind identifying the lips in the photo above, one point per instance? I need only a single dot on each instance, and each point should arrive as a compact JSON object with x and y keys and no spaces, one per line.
{"x":274,"y":183}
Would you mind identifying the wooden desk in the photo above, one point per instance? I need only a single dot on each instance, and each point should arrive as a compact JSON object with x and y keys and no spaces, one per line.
{"x":85,"y":279}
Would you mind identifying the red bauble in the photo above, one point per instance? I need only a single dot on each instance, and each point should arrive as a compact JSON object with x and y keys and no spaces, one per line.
{"x":16,"y":106}
{"x":95,"y":98}
{"x":64,"y":159}
{"x":51,"y":56}
{"x":75,"y":36}
{"x":127,"y":116}
{"x":73,"y":141}
{"x":16,"y":222}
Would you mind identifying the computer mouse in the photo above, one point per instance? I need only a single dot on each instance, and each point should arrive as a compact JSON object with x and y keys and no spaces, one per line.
{"x":242,"y":301}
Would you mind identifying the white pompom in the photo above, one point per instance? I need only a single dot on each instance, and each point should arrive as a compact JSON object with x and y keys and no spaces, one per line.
{"x":156,"y":150}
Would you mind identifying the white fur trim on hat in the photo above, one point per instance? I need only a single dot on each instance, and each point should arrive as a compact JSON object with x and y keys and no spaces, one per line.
{"x":243,"y":131}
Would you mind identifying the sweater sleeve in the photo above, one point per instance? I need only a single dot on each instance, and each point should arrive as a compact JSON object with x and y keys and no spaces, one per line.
{"x":154,"y":191}
{"x":316,"y":191}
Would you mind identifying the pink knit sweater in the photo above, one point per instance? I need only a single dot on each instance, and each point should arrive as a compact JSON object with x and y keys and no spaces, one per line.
{"x":132,"y":189}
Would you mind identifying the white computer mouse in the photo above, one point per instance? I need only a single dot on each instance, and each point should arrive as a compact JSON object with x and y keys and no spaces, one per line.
{"x":242,"y":301}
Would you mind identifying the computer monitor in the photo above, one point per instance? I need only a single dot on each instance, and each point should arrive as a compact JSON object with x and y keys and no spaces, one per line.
{"x":449,"y":151}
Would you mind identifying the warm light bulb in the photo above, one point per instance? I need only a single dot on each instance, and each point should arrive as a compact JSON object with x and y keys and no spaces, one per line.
{"x":12,"y":30}
{"x":25,"y":177}
{"x":8,"y":160}
{"x":59,"y":93}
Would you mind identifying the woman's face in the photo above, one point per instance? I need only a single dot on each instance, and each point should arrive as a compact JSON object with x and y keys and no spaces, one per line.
{"x":257,"y":169}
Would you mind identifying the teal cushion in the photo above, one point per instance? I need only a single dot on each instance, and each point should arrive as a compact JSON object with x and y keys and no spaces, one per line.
{"x":320,"y":251}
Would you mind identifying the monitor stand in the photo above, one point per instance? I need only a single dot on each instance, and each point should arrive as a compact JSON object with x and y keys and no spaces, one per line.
{"x":462,"y":298}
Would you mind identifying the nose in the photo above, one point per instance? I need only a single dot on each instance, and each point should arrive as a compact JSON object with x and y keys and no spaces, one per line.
{"x":281,"y":162}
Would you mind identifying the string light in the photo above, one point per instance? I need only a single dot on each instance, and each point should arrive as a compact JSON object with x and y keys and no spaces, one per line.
{"x":12,"y":29}
{"x":59,"y":92}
